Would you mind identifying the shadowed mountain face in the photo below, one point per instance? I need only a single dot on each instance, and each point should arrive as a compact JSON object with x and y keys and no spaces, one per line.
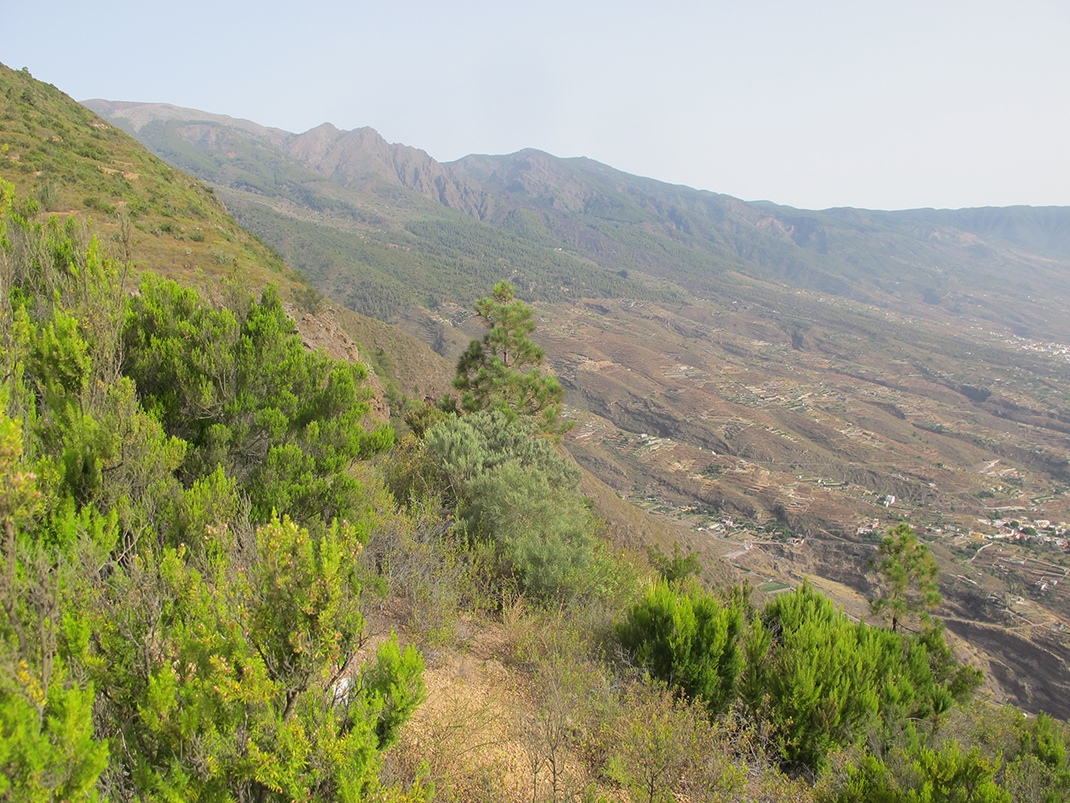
{"x":358,"y":160}
{"x":786,"y":380}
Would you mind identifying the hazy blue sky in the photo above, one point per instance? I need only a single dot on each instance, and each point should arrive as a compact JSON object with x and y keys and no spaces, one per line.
{"x":810,"y":103}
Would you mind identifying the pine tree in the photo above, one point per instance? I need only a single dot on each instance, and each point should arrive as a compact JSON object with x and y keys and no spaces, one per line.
{"x":907,"y":576}
{"x":502,"y":371}
{"x":688,"y":639}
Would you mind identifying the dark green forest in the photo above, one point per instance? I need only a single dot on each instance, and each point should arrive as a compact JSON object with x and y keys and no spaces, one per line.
{"x":200,"y":517}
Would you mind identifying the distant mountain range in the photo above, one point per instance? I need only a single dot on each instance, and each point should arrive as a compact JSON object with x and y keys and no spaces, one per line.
{"x":772,"y":387}
{"x":581,"y":225}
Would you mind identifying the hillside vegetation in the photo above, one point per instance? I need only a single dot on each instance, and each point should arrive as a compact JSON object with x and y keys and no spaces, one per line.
{"x":223,"y":578}
{"x":541,"y":214}
{"x":194,"y":521}
{"x":63,"y":159}
{"x":407,"y":248}
{"x":769,"y":377}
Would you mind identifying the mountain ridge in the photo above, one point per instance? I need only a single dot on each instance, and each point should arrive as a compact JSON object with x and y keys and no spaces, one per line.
{"x":761,"y":420}
{"x":580,"y":203}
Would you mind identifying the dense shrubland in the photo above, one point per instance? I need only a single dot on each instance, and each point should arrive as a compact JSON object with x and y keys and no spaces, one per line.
{"x":199,"y":521}
{"x":183,"y":517}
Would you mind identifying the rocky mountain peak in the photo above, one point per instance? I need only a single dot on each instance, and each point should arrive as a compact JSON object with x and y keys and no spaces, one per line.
{"x":361,"y":157}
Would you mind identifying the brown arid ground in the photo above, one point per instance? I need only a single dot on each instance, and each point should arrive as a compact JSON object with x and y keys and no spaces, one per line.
{"x":789,"y":454}
{"x":490,"y":730}
{"x":469,"y":730}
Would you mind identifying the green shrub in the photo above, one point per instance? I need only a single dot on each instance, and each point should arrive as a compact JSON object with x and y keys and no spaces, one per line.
{"x":543,"y":532}
{"x":688,"y":639}
{"x":820,"y":681}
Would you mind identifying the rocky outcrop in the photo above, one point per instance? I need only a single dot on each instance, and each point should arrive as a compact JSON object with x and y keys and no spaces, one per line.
{"x":361,"y":157}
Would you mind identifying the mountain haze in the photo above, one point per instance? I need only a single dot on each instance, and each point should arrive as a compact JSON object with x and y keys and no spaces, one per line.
{"x":936,"y":261}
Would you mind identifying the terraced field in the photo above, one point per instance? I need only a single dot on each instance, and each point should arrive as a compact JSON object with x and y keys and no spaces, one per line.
{"x":790,"y":460}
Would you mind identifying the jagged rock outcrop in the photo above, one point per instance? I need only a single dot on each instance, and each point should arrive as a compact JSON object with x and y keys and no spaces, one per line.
{"x":359,"y":157}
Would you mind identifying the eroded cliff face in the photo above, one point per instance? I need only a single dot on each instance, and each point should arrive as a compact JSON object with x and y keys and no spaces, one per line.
{"x":357,"y":159}
{"x":361,"y":157}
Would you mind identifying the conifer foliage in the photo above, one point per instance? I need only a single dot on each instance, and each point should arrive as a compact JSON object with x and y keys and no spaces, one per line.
{"x":907,"y":572}
{"x":688,"y":639}
{"x":502,"y":371}
{"x":815,"y":681}
{"x":182,"y":516}
{"x":184,"y":508}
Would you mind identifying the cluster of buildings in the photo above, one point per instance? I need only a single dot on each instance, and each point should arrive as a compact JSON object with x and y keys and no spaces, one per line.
{"x":1040,"y":530}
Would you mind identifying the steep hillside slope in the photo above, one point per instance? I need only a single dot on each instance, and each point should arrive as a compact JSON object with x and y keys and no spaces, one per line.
{"x":553,"y":220}
{"x":66,"y":161}
{"x":785,"y":382}
{"x":982,"y":263}
{"x":335,"y":203}
{"x":226,"y":537}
